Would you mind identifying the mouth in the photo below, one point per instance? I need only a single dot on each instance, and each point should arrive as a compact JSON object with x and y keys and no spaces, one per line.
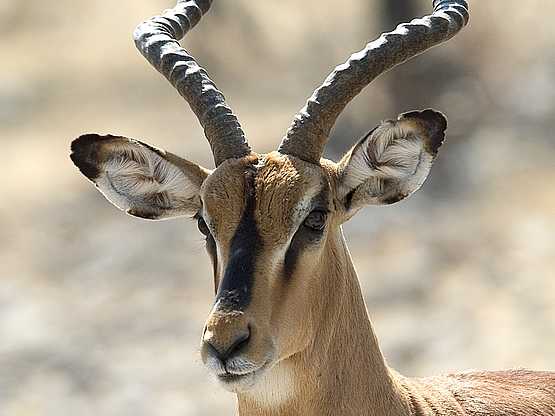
{"x":229,"y":378}
{"x":240,"y":382}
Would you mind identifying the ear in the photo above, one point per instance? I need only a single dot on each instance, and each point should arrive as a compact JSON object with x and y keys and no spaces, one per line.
{"x":392,"y":161}
{"x":144,"y":181}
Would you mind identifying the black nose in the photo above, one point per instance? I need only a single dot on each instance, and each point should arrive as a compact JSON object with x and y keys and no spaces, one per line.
{"x":224,"y":352}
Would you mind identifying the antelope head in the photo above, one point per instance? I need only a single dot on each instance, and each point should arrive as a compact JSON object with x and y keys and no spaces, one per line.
{"x":272,"y":222}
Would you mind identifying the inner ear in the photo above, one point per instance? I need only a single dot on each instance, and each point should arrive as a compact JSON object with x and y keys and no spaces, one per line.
{"x":392,"y":161}
{"x":140,"y":179}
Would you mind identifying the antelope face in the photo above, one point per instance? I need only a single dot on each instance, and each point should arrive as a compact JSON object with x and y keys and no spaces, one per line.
{"x":268,"y":222}
{"x":265,"y":219}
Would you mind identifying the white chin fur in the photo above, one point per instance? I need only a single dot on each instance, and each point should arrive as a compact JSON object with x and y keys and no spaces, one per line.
{"x":274,"y":387}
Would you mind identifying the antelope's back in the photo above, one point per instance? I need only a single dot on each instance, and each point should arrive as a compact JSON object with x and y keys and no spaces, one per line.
{"x":484,"y":393}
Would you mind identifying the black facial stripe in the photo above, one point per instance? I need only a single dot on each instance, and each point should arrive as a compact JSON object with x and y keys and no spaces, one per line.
{"x":236,"y":286}
{"x":304,"y":237}
{"x":292,"y":254}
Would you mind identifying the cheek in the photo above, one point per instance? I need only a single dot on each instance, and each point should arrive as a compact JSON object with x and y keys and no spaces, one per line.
{"x":293,"y":295}
{"x":291,"y":315}
{"x":303,"y":253}
{"x":304,"y":248}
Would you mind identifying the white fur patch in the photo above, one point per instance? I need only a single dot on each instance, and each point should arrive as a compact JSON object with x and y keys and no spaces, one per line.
{"x":137,"y":177}
{"x":303,"y":207}
{"x":392,"y":153}
{"x":274,"y":388}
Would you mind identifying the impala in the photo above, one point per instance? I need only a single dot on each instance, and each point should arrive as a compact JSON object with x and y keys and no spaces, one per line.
{"x":288,"y":331}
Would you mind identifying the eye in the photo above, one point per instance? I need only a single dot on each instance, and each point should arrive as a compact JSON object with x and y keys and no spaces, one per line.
{"x":202,"y":227}
{"x":316,"y":220}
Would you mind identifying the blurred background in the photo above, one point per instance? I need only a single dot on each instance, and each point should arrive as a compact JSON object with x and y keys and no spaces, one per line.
{"x":101,"y":313}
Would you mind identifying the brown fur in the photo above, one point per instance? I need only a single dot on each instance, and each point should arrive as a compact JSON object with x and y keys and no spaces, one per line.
{"x":312,"y":350}
{"x":342,"y":371}
{"x":326,"y":339}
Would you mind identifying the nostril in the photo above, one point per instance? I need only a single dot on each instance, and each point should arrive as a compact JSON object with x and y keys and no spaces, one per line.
{"x":224,"y":352}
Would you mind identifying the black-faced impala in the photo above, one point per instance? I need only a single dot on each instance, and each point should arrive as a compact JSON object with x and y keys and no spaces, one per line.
{"x":289,"y":331}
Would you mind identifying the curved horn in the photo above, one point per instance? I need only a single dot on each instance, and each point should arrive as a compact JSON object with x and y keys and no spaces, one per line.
{"x":309,"y":132}
{"x":157,"y":39}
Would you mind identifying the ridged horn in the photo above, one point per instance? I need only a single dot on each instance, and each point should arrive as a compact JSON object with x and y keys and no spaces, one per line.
{"x":157,"y":40}
{"x":309,"y":132}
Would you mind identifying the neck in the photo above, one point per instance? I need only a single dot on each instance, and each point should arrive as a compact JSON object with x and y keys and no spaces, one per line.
{"x":342,"y":371}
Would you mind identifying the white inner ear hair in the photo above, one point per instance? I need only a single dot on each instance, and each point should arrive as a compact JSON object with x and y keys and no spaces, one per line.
{"x":137,"y":175}
{"x":391,"y":152}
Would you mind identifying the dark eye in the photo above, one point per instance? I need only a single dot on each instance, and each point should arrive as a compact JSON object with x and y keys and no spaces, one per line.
{"x":202,"y":227}
{"x":316,"y":220}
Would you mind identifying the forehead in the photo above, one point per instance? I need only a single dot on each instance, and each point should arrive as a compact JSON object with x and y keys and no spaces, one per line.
{"x":282,"y":189}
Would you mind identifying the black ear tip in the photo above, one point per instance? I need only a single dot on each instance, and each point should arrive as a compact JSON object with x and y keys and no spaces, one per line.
{"x":429,"y":115}
{"x":84,"y":154}
{"x":434,"y":122}
{"x":435,"y":117}
{"x":87,"y":140}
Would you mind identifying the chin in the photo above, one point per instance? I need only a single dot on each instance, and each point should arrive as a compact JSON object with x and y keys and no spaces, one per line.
{"x":239,"y":383}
